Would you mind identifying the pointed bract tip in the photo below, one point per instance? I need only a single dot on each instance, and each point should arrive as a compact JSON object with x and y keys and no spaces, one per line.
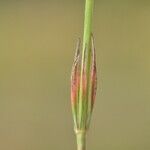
{"x":93,"y":72}
{"x":75,"y":76}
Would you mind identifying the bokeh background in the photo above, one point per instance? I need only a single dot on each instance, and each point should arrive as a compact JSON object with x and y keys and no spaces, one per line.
{"x":37,"y":44}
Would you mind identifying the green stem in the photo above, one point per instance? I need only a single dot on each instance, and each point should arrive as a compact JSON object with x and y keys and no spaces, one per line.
{"x":81,"y":139}
{"x":87,"y":23}
{"x":86,"y":50}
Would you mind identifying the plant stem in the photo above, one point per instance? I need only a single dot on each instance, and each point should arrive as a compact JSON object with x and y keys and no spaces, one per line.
{"x":87,"y":23}
{"x":86,"y":50}
{"x":86,"y":53}
{"x":81,"y":140}
{"x":83,"y":81}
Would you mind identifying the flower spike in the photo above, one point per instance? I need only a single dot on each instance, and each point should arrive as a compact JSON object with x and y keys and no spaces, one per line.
{"x":83,"y":80}
{"x":83,"y":89}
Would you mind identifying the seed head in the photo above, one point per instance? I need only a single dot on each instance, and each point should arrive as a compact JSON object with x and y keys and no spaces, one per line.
{"x":83,"y":86}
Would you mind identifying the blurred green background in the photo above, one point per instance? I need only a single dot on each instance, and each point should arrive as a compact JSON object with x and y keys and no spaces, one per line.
{"x":37,"y":44}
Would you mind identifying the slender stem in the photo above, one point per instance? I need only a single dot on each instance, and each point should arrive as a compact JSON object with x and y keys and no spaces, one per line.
{"x":81,"y":141}
{"x":86,"y":50}
{"x":87,"y":23}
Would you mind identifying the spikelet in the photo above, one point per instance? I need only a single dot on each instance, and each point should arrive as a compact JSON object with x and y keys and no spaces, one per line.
{"x":83,"y":90}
